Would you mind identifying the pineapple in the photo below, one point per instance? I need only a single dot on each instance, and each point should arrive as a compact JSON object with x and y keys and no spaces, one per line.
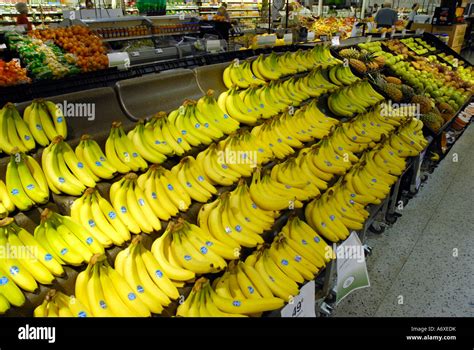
{"x":358,"y":65}
{"x":432,"y":120}
{"x":407,"y":92}
{"x":424,"y":102}
{"x":393,"y":92}
{"x":349,"y":53}
{"x":393,"y":80}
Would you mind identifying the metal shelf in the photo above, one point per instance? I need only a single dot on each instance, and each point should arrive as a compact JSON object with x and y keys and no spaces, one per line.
{"x":124,"y":38}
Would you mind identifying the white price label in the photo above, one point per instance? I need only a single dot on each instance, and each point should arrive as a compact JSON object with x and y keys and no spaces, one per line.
{"x":345,"y":63}
{"x":182,"y":16}
{"x":310,"y":36}
{"x":288,"y":38}
{"x":335,"y":40}
{"x":236,"y":62}
{"x":126,"y":63}
{"x":455,"y":62}
{"x":302,"y":305}
{"x":384,"y":35}
{"x":291,"y":110}
{"x":135,"y":54}
{"x":158,"y":50}
{"x":404,"y":32}
{"x":369,"y":38}
{"x":72,"y":15}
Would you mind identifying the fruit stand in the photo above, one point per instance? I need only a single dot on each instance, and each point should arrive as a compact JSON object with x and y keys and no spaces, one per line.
{"x":140,"y":185}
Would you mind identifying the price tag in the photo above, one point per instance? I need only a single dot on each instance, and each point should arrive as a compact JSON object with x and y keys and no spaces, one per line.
{"x":121,"y":60}
{"x":335,"y":41}
{"x":351,"y":267}
{"x":288,"y":38}
{"x":323,"y":37}
{"x":291,"y":110}
{"x":72,"y":15}
{"x":236,"y":62}
{"x":182,"y":16}
{"x":301,"y":305}
{"x":404,"y":32}
{"x":455,"y":63}
{"x":345,"y":63}
{"x":369,"y":38}
{"x":310,"y":36}
{"x":158,"y":50}
{"x":126,"y":63}
{"x":384,"y":35}
{"x":135,"y":54}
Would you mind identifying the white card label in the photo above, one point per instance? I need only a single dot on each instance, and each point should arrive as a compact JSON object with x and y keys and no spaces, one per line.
{"x":135,"y":54}
{"x":301,"y":305}
{"x":351,"y":267}
{"x":384,"y":35}
{"x":335,"y":40}
{"x":369,"y":38}
{"x":310,"y":36}
{"x":182,"y":16}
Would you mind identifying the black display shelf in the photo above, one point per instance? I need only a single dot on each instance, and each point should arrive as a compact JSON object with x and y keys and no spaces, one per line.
{"x":108,"y":77}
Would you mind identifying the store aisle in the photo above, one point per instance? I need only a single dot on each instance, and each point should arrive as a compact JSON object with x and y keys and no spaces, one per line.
{"x":424,"y":264}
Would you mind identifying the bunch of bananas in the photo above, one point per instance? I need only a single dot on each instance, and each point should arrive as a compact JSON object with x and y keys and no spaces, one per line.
{"x":142,"y":271}
{"x":208,"y":106}
{"x":6,"y":204}
{"x":191,"y":177}
{"x":240,"y":74}
{"x":195,"y":127}
{"x":106,"y":293}
{"x":204,"y":301}
{"x":236,"y":156}
{"x":132,"y":206}
{"x":121,"y":151}
{"x":99,"y":218}
{"x":164,"y":192}
{"x":25,"y":181}
{"x":45,"y":121}
{"x":10,"y":294}
{"x":65,"y":173}
{"x":341,"y":75}
{"x":14,"y":133}
{"x":89,"y":153}
{"x":317,"y":80}
{"x":26,"y":260}
{"x":65,"y":239}
{"x":296,"y":255}
{"x":408,"y":139}
{"x":295,"y":172}
{"x":270,"y":195}
{"x":58,"y":304}
{"x":229,"y":220}
{"x":185,"y":250}
{"x":353,"y":99}
{"x":143,"y":138}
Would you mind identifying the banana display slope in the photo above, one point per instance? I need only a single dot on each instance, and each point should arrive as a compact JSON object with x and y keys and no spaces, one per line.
{"x":330,"y":169}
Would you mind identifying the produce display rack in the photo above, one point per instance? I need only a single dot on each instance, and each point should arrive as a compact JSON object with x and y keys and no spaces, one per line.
{"x":107,"y":90}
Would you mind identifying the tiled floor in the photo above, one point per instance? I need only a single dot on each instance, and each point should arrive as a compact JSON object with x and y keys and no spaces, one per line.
{"x":427,"y":256}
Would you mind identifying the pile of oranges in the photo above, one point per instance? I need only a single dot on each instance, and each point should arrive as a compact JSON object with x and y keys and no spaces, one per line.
{"x":80,"y":41}
{"x":11,"y":73}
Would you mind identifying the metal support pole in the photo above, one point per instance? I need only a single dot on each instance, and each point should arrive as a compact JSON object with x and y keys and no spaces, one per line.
{"x":362,"y":11}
